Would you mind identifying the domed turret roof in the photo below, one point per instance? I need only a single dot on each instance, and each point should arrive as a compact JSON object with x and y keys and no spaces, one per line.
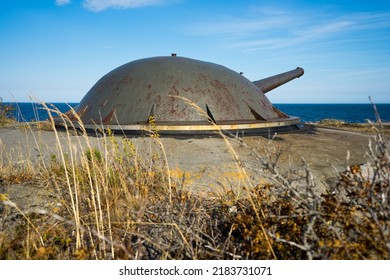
{"x":178,"y":94}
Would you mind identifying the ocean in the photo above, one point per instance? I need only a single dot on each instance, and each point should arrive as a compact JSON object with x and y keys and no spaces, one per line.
{"x":352,"y":113}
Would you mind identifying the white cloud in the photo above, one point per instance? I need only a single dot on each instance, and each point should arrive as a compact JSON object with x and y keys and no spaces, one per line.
{"x":276,"y":29}
{"x":62,"y":2}
{"x":100,"y":5}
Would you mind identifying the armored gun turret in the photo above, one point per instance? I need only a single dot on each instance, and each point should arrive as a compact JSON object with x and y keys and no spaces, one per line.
{"x":182,"y":96}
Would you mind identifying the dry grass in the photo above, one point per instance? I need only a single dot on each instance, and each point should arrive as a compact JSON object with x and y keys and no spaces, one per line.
{"x":5,"y":114}
{"x":370,"y":128}
{"x":112,"y":204}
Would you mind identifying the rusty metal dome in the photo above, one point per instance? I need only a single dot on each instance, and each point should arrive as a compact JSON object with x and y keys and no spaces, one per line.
{"x":181,"y":95}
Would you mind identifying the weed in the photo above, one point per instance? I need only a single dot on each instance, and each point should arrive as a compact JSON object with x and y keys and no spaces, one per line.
{"x":111,"y":203}
{"x":6,"y":113}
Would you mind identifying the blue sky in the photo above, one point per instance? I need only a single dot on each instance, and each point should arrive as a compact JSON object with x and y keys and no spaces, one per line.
{"x":56,"y":50}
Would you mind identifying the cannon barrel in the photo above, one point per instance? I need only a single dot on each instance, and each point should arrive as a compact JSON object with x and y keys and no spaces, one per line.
{"x":270,"y":83}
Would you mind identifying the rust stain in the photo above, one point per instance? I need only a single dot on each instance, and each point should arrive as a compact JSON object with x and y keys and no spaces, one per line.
{"x":187,"y":90}
{"x":109,"y":117}
{"x":80,"y":112}
{"x":218,"y":84}
{"x":202,"y":77}
{"x":125,"y":80}
{"x":174,"y":90}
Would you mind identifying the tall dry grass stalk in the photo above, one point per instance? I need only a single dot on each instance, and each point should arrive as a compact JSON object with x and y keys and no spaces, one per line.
{"x":73,"y":190}
{"x":247,"y":186}
{"x":114,"y":203}
{"x":96,"y":175}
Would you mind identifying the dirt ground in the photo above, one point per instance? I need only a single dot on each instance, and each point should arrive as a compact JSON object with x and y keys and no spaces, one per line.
{"x":203,"y":164}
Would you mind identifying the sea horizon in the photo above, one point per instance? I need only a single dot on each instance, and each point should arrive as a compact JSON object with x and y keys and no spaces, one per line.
{"x":308,"y":112}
